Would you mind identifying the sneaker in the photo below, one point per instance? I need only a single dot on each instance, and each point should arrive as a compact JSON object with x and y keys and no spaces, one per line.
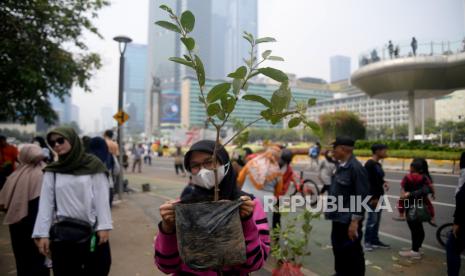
{"x":368,"y":247}
{"x":380,"y":244}
{"x":410,"y":254}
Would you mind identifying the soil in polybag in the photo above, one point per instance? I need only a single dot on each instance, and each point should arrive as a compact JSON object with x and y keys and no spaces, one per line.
{"x":210,"y":234}
{"x":287,"y":269}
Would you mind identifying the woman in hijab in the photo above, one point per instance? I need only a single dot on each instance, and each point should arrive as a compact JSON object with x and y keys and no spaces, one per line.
{"x":20,"y":197}
{"x":198,"y":162}
{"x":98,"y":147}
{"x":263,"y":177}
{"x":74,"y":188}
{"x":48,"y":154}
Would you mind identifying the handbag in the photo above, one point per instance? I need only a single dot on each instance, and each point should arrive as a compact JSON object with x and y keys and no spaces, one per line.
{"x":68,"y":229}
{"x":418,"y":212}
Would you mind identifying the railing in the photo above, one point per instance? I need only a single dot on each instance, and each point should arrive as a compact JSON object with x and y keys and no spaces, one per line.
{"x":406,"y":50}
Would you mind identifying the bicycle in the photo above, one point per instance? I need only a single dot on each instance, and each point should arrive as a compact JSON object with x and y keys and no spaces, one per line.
{"x":304,"y":187}
{"x":443,"y":232}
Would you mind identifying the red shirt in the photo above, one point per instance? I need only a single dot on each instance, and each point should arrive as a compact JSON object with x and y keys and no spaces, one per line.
{"x":8,"y":154}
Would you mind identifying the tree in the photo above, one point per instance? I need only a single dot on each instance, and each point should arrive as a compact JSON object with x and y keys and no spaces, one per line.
{"x":35,"y":61}
{"x":342,"y":123}
{"x":219,"y":103}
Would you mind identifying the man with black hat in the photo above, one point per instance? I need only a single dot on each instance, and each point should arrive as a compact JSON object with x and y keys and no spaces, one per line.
{"x":349,"y":181}
{"x":376,"y":190}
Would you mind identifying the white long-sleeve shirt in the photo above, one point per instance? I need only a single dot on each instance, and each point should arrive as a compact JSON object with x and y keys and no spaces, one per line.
{"x":84,"y":197}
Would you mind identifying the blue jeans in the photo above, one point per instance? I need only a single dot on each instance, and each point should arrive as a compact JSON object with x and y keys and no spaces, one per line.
{"x":454,"y":248}
{"x":372,"y":227}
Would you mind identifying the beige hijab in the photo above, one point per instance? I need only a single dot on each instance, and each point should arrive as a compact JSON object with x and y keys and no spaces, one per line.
{"x":23,"y":185}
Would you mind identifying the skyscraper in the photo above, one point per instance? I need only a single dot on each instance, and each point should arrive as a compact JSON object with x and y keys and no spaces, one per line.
{"x":218,"y":33}
{"x":340,"y":68}
{"x":134,"y":86}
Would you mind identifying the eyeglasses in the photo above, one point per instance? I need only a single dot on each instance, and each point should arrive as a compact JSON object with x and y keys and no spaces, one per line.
{"x":207,"y":164}
{"x":59,"y":141}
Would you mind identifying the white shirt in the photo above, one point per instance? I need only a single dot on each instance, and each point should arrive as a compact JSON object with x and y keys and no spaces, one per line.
{"x":84,"y":197}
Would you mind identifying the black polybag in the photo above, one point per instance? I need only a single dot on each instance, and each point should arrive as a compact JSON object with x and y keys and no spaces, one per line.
{"x":210,"y":234}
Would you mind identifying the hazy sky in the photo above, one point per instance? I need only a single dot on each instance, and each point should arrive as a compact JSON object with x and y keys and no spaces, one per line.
{"x":308,"y":33}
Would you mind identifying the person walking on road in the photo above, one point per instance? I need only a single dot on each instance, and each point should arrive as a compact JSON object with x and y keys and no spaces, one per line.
{"x":198,"y":162}
{"x":377,"y":187}
{"x":137,"y":153}
{"x":414,"y":190}
{"x":314,"y":154}
{"x":74,"y":220}
{"x":20,"y":197}
{"x":178,"y":162}
{"x":326,"y":170}
{"x":390,"y":49}
{"x":456,"y":242}
{"x":350,"y":180}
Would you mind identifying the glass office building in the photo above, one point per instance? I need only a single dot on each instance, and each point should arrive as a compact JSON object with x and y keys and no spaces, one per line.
{"x":193,"y":112}
{"x":134,"y":86}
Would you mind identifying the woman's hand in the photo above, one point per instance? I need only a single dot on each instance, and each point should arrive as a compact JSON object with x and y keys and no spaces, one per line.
{"x":44,"y":246}
{"x":246,"y":209}
{"x":405,"y":195}
{"x":168,"y":216}
{"x":103,"y":236}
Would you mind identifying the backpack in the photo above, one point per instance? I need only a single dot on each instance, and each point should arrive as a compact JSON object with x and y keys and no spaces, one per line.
{"x":313,"y":152}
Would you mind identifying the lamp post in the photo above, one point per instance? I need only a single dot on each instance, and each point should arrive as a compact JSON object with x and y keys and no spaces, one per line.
{"x":122,"y":42}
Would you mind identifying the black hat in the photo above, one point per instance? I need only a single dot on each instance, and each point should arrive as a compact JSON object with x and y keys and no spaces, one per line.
{"x":343,"y":141}
{"x":376,"y":147}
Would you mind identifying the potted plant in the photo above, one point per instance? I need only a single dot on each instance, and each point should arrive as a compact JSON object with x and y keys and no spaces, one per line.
{"x":200,"y":226}
{"x":290,"y":243}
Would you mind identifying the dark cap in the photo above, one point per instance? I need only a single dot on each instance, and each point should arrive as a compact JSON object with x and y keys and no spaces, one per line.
{"x":343,"y":141}
{"x":376,"y":147}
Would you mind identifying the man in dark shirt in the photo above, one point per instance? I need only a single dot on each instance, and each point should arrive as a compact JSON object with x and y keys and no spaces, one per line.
{"x":456,"y":242}
{"x":349,"y":181}
{"x":377,"y":185}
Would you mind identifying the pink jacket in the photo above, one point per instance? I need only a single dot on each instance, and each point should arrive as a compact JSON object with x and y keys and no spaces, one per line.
{"x":257,"y":240}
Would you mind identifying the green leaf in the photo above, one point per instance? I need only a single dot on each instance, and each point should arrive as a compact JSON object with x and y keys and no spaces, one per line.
{"x":228,"y":103}
{"x":294,"y":122}
{"x":276,"y":118}
{"x":257,"y":98}
{"x":200,"y":70}
{"x":240,"y":73}
{"x":213,"y":109}
{"x":266,"y":114}
{"x":249,"y":37}
{"x":187,"y":57}
{"x":313,"y":125}
{"x":166,"y":8}
{"x":169,"y":26}
{"x":275,"y":58}
{"x":281,"y":98}
{"x":311,"y":102}
{"x":218,"y":91}
{"x":266,"y":54}
{"x":221,"y":115}
{"x":188,"y":21}
{"x":182,"y":61}
{"x":273,"y":73}
{"x":236,"y":86}
{"x":189,"y":42}
{"x":264,"y":39}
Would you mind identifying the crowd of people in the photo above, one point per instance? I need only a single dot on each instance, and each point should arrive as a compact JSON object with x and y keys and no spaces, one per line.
{"x":57,"y":194}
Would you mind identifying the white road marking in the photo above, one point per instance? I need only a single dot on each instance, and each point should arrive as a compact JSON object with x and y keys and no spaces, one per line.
{"x":434,"y":202}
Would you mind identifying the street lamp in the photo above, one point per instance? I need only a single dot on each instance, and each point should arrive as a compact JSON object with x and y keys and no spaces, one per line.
{"x":122,"y":42}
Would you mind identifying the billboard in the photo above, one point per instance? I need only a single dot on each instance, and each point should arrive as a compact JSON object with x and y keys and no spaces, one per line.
{"x":170,"y":107}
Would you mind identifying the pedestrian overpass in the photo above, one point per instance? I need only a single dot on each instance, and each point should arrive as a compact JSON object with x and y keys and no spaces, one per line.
{"x":412,"y":77}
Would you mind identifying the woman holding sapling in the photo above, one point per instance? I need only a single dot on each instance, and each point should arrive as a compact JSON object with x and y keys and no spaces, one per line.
{"x":199,"y":163}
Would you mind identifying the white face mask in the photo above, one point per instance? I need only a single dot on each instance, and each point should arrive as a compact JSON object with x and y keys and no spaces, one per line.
{"x":206,"y":178}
